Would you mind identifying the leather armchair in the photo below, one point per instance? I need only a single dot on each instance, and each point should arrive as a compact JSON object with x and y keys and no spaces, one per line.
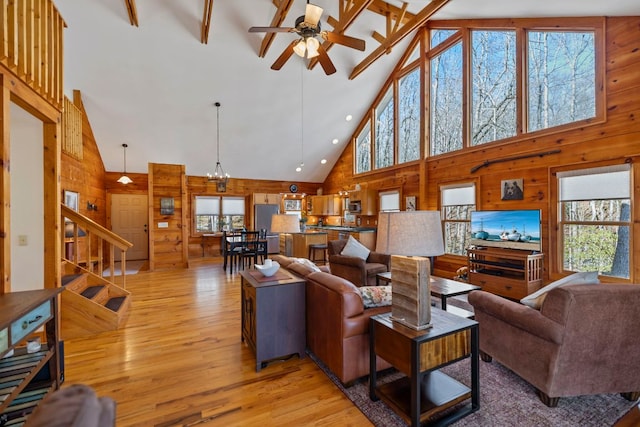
{"x":584,"y":340}
{"x":356,"y":270}
{"x":338,"y":326}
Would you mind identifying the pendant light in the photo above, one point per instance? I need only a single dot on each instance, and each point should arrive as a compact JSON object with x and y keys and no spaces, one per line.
{"x":124,"y":179}
{"x":219,"y":176}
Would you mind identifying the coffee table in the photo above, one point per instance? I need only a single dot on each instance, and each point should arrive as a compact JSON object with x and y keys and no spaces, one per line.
{"x":441,"y":288}
{"x":425,"y":391}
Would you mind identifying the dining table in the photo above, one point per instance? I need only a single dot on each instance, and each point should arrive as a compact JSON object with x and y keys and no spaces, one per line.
{"x":234,"y":244}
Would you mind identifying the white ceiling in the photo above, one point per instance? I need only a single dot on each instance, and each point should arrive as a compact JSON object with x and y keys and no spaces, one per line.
{"x":154,"y":86}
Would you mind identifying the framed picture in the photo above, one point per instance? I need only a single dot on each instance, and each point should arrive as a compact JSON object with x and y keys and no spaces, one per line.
{"x":221,"y":186}
{"x":166,"y":206}
{"x":71,"y":199}
{"x":293,"y":205}
{"x":512,"y":189}
{"x":410,"y":203}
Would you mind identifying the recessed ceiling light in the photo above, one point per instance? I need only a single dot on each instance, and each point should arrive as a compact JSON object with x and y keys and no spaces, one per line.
{"x":335,"y":141}
{"x":349,"y":117}
{"x":323,"y":161}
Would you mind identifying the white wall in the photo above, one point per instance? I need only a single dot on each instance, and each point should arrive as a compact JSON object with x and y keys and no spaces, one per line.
{"x":27,"y":210}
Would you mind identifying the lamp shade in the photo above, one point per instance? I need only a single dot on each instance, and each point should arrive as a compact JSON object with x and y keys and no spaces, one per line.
{"x":410,"y":233}
{"x":283,"y":223}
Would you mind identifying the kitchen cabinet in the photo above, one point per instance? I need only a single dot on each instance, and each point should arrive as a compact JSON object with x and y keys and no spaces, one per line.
{"x":301,"y":242}
{"x":368,"y":201}
{"x":266,"y":199}
{"x":330,"y":205}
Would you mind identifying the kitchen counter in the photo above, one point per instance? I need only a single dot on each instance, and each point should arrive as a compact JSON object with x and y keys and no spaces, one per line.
{"x":342,"y":228}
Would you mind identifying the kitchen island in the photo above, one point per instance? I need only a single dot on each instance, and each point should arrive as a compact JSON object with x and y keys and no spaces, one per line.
{"x":365,"y":235}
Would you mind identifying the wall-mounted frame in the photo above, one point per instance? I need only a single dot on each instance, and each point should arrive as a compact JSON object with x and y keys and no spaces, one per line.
{"x":221,"y":186}
{"x":512,"y":189}
{"x":71,"y":199}
{"x":410,"y":203}
{"x":166,"y":206}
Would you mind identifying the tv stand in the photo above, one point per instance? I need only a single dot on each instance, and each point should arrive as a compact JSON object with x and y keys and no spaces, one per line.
{"x":511,"y":273}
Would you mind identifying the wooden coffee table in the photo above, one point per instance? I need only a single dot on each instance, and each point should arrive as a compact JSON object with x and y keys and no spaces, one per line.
{"x":441,"y":288}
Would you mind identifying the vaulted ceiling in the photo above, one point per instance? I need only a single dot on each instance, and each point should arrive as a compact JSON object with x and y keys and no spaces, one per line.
{"x":150,"y":72}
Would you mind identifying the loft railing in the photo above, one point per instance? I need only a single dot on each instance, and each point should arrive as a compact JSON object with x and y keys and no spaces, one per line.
{"x":79,"y":237}
{"x":31,"y":45}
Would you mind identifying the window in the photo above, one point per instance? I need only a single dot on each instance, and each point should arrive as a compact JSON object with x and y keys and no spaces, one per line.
{"x":363,"y":150}
{"x":409,"y":117}
{"x":457,"y":202}
{"x":446,"y":101}
{"x":438,"y":36}
{"x":384,"y":131}
{"x":389,"y":201}
{"x":493,"y":80}
{"x":595,"y":220}
{"x":214,"y":213}
{"x":561,"y":78}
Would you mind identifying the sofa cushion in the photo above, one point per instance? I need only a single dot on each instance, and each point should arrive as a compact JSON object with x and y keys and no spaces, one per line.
{"x":536,"y":299}
{"x":355,"y":249}
{"x":375,"y":296}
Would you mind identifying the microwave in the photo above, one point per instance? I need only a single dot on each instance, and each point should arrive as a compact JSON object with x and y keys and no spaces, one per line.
{"x":355,"y":206}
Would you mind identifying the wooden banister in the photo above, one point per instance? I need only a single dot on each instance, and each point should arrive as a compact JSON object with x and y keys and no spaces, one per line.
{"x":70,"y":245}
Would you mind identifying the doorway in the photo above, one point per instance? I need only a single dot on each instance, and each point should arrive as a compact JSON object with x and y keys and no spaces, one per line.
{"x":129,"y":216}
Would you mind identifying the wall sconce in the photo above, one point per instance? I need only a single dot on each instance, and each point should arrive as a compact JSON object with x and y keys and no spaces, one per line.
{"x":92,"y":206}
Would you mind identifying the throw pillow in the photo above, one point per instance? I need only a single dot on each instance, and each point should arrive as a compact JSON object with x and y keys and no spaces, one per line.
{"x":307,"y":263}
{"x":535,"y":299}
{"x":356,"y":249}
{"x":375,"y":296}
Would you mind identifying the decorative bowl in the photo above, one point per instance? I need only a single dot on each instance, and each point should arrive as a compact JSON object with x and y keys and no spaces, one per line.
{"x":268,"y":270}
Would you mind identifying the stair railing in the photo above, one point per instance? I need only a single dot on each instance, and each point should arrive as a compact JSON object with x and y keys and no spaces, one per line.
{"x":76,"y":227}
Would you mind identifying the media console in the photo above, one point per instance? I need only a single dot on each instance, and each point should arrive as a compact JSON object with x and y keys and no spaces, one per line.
{"x":511,"y":273}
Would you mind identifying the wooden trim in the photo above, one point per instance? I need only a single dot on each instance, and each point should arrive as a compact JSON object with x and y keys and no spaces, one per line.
{"x":52,"y":198}
{"x":5,"y":186}
{"x":206,"y":21}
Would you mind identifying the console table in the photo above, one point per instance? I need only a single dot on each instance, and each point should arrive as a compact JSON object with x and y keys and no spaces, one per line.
{"x":273,"y":315}
{"x":419,"y":354}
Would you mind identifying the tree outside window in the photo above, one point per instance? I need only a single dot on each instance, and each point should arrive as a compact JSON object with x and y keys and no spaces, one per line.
{"x":457,"y":203}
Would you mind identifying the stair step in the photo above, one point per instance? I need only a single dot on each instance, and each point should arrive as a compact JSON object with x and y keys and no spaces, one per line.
{"x":114,"y":303}
{"x":92,"y":291}
{"x":69,"y":278}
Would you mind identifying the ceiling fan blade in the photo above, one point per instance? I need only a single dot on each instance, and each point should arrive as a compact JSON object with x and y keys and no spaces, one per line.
{"x":343,"y":40}
{"x":284,"y":56}
{"x":325,"y":61}
{"x":312,"y":14}
{"x":272,"y":30}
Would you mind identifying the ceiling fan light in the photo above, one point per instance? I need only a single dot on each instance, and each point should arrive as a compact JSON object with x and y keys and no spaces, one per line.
{"x":300,"y":48}
{"x":312,"y":14}
{"x":312,"y":47}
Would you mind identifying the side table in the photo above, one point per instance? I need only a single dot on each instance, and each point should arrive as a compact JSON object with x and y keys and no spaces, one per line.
{"x":418,"y":354}
{"x":273,"y":315}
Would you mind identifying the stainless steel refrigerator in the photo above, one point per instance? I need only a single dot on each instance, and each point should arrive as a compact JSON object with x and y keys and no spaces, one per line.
{"x":262,"y":219}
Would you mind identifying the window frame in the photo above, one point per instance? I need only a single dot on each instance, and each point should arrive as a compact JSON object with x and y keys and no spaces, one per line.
{"x":557,"y":222}
{"x":442,"y":187}
{"x":194,"y":221}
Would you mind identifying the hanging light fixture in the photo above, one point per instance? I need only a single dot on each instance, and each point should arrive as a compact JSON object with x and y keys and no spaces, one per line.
{"x":124,"y":179}
{"x":219,"y":176}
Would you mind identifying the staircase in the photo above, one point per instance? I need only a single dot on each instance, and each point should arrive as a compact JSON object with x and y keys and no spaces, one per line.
{"x":90,"y":303}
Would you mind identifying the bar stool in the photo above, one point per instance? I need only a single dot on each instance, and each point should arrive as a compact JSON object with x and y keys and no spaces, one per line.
{"x":318,"y":247}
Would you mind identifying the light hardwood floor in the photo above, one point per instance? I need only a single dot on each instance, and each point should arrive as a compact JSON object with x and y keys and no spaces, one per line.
{"x":180,"y":361}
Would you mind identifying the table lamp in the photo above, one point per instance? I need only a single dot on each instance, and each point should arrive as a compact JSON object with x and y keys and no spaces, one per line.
{"x":412,"y":238}
{"x":285,"y":225}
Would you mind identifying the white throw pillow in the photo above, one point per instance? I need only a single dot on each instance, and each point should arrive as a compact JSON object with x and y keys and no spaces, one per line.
{"x":356,"y":249}
{"x":307,"y":263}
{"x":535,"y":299}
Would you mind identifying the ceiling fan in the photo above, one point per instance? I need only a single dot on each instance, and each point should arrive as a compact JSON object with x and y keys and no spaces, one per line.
{"x":308,"y":28}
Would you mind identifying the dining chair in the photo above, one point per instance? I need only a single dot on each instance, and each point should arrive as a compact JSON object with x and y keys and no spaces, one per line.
{"x":249,"y":248}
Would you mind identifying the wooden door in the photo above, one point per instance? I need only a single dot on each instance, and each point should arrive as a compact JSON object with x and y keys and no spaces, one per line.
{"x":129,"y":216}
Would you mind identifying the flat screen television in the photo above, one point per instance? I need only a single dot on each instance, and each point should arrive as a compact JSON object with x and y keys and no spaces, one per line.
{"x":511,"y":229}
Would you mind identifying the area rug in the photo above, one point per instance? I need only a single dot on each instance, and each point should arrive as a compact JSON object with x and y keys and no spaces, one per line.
{"x":133,"y":267}
{"x":505,"y":400}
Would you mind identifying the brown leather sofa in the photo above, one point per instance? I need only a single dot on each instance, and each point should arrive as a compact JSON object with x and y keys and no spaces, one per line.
{"x":338,"y":326}
{"x":354,"y":269}
{"x":584,"y":340}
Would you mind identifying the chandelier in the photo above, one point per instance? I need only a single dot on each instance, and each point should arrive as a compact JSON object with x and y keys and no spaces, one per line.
{"x":219,"y":176}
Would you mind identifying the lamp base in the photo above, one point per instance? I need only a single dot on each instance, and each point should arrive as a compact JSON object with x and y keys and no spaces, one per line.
{"x":404,"y":322}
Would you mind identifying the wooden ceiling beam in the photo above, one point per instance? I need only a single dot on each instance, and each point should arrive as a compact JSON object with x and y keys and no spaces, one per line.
{"x":349,"y":10}
{"x":206,"y":21}
{"x":388,"y":10}
{"x":132,"y":11}
{"x":279,"y":17}
{"x":396,"y":36}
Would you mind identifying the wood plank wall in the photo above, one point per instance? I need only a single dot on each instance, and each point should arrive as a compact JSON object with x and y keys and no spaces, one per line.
{"x":618,"y":139}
